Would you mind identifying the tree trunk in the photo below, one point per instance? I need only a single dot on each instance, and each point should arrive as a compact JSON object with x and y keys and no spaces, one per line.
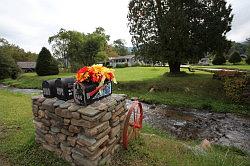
{"x":174,"y":67}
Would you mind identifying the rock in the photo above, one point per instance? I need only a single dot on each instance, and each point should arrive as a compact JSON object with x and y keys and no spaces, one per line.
{"x":83,"y":150}
{"x":93,"y":118}
{"x":83,"y":123}
{"x":51,"y":139}
{"x":115,"y":131}
{"x":41,"y":99}
{"x":45,"y":122}
{"x":61,"y":137}
{"x":55,"y":129}
{"x":48,"y":104}
{"x":82,"y":161}
{"x":58,"y":102}
{"x":66,"y":121}
{"x":74,"y":107}
{"x":65,"y":148}
{"x":102,"y":134}
{"x":85,"y":141}
{"x":96,"y":130}
{"x":66,"y":132}
{"x":35,"y":110}
{"x":65,"y":105}
{"x":89,"y":111}
{"x":76,"y":115}
{"x":63,"y":113}
{"x":102,"y":107}
{"x":98,"y":143}
{"x":106,"y":117}
{"x":41,"y":114}
{"x":74,"y":129}
{"x":205,"y":144}
{"x":71,"y":140}
{"x":51,"y":148}
{"x":97,"y":155}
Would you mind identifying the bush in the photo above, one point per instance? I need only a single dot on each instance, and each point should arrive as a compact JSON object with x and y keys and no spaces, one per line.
{"x":235,"y":58}
{"x":219,"y":60}
{"x":234,"y":88}
{"x":136,"y":65}
{"x":248,"y":59}
{"x":46,"y":64}
{"x":122,"y":65}
{"x":8,"y":67}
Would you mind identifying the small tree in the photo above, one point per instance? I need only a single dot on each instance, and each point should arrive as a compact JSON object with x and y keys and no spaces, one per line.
{"x":8,"y":67}
{"x":46,"y":64}
{"x":235,"y":58}
{"x":219,"y":60}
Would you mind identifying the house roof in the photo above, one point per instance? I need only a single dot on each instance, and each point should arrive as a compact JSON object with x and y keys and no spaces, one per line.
{"x":122,"y":57}
{"x":26,"y":65}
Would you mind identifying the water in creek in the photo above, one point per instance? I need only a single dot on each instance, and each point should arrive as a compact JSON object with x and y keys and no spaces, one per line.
{"x":220,"y":128}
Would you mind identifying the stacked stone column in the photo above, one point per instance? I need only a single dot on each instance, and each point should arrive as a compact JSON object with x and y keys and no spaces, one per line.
{"x":82,"y":135}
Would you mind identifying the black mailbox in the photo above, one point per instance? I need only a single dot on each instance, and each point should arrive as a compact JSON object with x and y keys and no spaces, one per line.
{"x":49,"y":89}
{"x":64,"y":88}
{"x":87,"y":93}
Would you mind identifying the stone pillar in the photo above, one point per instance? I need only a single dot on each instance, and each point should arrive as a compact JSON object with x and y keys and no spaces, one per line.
{"x":82,"y":135}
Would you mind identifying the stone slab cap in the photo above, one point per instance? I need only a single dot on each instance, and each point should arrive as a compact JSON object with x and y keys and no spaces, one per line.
{"x":36,"y":97}
{"x":58,"y":102}
{"x":89,"y":111}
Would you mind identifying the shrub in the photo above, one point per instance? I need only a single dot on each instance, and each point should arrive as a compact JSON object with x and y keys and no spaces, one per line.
{"x":8,"y":67}
{"x":235,"y":58}
{"x":46,"y":64}
{"x":122,"y":65}
{"x":222,"y":74}
{"x":248,"y":59}
{"x":136,"y":64}
{"x":234,"y":88}
{"x":219,"y":60}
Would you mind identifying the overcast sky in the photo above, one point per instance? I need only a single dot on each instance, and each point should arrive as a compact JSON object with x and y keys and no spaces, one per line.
{"x":29,"y":23}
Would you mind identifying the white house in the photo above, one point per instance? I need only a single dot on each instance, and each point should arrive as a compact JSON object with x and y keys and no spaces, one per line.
{"x":127,"y":59}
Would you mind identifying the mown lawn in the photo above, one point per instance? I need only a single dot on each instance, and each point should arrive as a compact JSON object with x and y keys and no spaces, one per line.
{"x":195,"y":90}
{"x":17,"y":143}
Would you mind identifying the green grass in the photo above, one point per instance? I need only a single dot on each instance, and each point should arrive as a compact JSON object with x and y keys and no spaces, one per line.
{"x":152,"y":148}
{"x":17,"y":133}
{"x":195,"y":90}
{"x":156,"y":148}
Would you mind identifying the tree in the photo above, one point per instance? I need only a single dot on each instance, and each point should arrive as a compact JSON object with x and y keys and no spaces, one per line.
{"x":235,"y":58}
{"x":219,"y":59}
{"x":176,"y":31}
{"x":8,"y":67}
{"x":46,"y":64}
{"x":120,"y":48}
{"x":17,"y":53}
{"x":77,"y":48}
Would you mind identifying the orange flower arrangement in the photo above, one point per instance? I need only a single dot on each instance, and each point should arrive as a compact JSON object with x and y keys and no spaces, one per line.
{"x":95,"y":74}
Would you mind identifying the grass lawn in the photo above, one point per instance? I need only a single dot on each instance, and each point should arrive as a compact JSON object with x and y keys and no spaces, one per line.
{"x":196,"y":90}
{"x":17,"y":143}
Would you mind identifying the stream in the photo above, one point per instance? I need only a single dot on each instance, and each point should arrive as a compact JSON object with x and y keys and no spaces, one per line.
{"x":188,"y":124}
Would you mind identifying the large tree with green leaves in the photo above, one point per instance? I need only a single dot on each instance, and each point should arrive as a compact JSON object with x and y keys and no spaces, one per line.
{"x":176,"y":31}
{"x":79,"y":48}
